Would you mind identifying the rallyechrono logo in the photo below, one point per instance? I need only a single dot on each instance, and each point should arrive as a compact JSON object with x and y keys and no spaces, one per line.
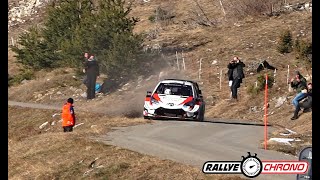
{"x":252,"y":166}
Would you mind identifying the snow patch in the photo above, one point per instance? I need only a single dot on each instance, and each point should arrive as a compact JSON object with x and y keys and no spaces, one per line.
{"x":284,"y":140}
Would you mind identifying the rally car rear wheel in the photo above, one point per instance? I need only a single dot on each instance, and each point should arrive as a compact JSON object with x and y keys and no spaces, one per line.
{"x":200,"y":117}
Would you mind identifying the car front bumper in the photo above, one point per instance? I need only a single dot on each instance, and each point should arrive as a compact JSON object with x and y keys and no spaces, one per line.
{"x":169,"y":113}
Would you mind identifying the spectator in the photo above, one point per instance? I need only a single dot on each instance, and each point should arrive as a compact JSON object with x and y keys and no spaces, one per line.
{"x":92,"y":72}
{"x":68,"y":116}
{"x":298,"y":83}
{"x":236,"y":75}
{"x":306,"y":103}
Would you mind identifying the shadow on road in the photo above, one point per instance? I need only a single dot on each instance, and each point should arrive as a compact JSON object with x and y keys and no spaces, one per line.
{"x":216,"y":121}
{"x":237,"y":123}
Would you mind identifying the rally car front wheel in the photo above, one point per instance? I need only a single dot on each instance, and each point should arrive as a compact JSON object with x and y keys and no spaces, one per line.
{"x":200,"y":116}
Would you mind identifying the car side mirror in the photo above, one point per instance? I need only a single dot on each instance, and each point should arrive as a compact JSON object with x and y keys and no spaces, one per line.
{"x":148,"y":94}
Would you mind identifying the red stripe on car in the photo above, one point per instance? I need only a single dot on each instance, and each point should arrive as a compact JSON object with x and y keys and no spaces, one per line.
{"x":156,"y":97}
{"x":190,"y":98}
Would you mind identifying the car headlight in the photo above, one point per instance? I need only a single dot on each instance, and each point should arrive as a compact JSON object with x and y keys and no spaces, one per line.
{"x":154,"y":101}
{"x":189,"y":105}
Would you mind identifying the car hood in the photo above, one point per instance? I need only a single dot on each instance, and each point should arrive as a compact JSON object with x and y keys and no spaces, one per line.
{"x":175,"y":99}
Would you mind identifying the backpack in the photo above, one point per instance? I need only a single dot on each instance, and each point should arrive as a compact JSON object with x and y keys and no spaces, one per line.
{"x":98,"y":88}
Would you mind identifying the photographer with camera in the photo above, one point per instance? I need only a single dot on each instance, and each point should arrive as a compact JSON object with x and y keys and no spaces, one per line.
{"x":236,"y":75}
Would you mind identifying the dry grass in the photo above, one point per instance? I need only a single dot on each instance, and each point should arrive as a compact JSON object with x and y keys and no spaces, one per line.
{"x":52,"y":154}
{"x":58,"y":79}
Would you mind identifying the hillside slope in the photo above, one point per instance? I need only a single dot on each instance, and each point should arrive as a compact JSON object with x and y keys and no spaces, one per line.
{"x":252,"y":39}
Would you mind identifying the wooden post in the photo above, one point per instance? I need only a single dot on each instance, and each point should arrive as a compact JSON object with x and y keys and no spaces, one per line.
{"x":274,"y":76}
{"x":200,"y":68}
{"x":266,"y":113}
{"x":12,"y":40}
{"x":184,"y":64}
{"x":177,"y":60}
{"x":288,"y":74}
{"x":288,"y":77}
{"x":220,"y":78}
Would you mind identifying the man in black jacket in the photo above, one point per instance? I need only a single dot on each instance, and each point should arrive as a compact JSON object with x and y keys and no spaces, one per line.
{"x":236,"y":75}
{"x":92,"y":72}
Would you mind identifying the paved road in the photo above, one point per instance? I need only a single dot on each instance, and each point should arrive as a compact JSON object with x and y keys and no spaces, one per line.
{"x":190,"y":142}
{"x":194,"y":143}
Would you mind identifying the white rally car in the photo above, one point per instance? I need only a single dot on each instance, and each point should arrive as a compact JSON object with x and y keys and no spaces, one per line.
{"x":175,"y":98}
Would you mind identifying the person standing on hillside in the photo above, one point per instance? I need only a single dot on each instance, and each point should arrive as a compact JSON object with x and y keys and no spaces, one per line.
{"x":306,"y":104}
{"x":92,"y":72}
{"x":68,"y":116}
{"x":236,"y":75}
{"x":298,"y":83}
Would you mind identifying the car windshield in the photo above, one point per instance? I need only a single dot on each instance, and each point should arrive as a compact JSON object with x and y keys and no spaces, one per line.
{"x":174,"y":89}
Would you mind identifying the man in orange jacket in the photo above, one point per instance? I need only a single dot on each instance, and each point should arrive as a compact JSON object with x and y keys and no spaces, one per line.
{"x":68,"y":116}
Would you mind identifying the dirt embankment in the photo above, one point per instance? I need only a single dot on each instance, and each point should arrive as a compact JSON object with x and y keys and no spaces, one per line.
{"x":48,"y":153}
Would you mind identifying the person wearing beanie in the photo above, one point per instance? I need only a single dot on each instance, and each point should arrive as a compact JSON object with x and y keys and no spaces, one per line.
{"x":68,"y":116}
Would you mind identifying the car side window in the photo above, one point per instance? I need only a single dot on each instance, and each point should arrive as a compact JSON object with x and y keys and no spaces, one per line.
{"x":160,"y":89}
{"x":186,"y":91}
{"x":196,"y":88}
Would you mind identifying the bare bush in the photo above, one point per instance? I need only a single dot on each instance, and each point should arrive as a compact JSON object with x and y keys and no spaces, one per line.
{"x":201,"y":19}
{"x":242,"y":8}
{"x":199,"y":15}
{"x":152,"y":34}
{"x":164,"y":15}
